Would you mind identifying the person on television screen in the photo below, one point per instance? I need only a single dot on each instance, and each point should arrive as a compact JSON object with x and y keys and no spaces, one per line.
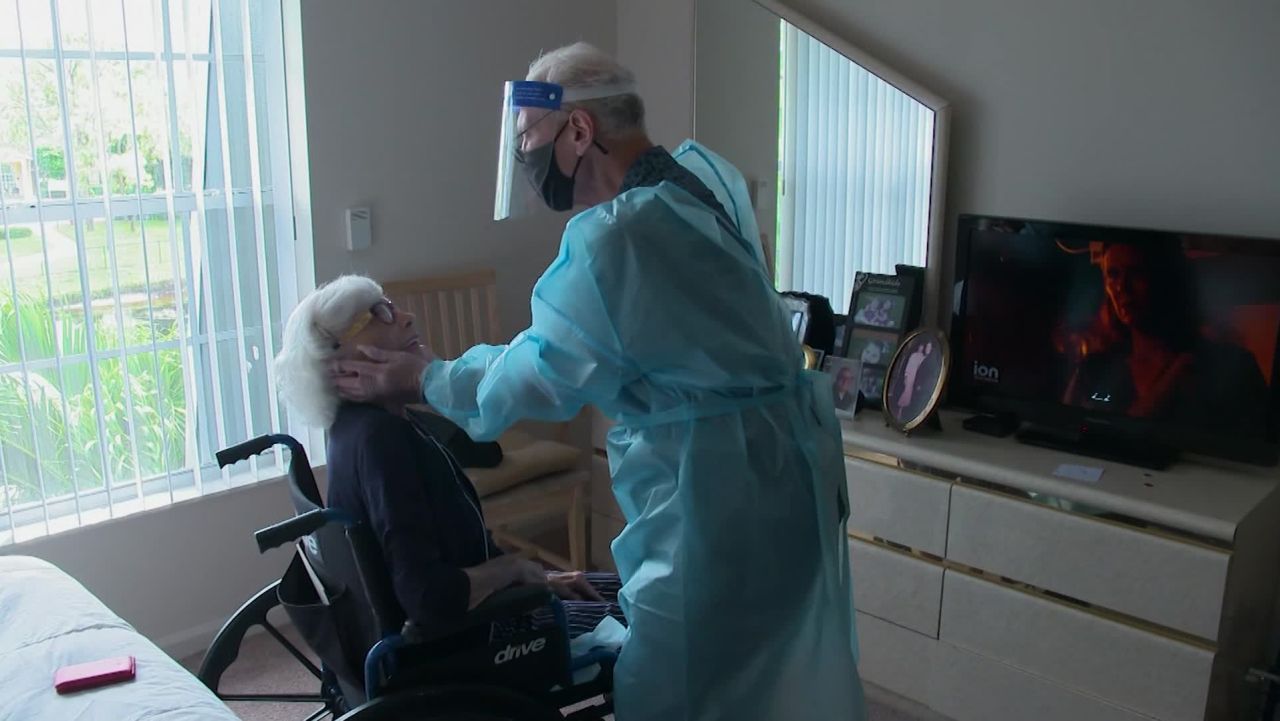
{"x":1144,"y":355}
{"x":845,"y":394}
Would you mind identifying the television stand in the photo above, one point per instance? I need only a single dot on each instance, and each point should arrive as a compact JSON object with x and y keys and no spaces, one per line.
{"x":987,"y":587}
{"x":1109,"y":446}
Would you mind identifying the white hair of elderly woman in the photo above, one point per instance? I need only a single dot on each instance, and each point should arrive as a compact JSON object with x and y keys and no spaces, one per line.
{"x":584,"y":66}
{"x":302,"y":365}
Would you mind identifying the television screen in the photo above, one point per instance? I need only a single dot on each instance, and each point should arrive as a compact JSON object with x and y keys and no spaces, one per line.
{"x":1172,"y":334}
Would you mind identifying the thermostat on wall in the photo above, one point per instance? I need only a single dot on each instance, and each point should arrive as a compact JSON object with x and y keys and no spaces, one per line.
{"x":359,"y":228}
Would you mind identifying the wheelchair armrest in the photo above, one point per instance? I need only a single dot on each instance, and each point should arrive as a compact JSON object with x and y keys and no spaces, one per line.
{"x":507,"y":603}
{"x":294,"y":528}
{"x":504,"y":604}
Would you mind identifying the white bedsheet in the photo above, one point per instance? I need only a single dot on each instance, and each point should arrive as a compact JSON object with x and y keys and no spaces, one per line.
{"x":48,"y":620}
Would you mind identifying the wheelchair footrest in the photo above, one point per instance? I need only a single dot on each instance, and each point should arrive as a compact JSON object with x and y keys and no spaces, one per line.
{"x":591,"y":711}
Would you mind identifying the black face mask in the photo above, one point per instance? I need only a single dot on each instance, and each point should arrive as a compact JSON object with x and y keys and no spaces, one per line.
{"x":544,"y":172}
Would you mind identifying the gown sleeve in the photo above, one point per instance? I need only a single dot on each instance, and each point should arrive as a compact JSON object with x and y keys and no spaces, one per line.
{"x":568,"y":357}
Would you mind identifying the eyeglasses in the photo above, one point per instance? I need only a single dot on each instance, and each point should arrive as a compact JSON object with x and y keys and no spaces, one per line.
{"x":384,"y":311}
{"x":522,"y":135}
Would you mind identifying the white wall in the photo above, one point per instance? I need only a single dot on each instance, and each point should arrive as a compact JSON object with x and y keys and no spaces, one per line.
{"x":655,"y":40}
{"x":1141,"y":113}
{"x":403,"y":103}
{"x":736,"y":94}
{"x":403,"y":100}
{"x":1154,"y":114}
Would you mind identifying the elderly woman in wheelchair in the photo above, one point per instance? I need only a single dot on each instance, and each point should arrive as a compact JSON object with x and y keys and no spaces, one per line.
{"x":397,"y":584}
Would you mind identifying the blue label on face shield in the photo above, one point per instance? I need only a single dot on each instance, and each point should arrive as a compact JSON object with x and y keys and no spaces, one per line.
{"x":531,"y":94}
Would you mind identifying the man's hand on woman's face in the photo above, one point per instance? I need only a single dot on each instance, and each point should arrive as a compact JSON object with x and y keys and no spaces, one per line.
{"x":382,"y":375}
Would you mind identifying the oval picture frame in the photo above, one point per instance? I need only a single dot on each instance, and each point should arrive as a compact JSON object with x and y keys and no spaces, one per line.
{"x":916,"y":379}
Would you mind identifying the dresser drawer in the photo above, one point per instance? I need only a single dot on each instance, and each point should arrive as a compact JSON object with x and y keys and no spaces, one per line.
{"x":896,"y":587}
{"x":898,"y":506}
{"x":971,"y":687}
{"x":1174,"y":584}
{"x":894,"y":658}
{"x":1136,"y":669}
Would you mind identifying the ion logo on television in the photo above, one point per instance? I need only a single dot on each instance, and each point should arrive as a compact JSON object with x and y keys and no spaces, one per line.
{"x":985,"y":373}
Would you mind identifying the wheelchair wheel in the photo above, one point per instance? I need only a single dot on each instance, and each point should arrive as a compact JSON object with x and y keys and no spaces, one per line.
{"x":323,"y":700}
{"x":455,"y":703}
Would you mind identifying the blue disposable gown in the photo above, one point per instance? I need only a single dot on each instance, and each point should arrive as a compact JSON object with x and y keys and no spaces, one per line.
{"x":726,"y":459}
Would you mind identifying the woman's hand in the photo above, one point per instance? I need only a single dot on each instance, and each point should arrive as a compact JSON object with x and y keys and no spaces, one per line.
{"x":502,"y":572}
{"x":524,"y":572}
{"x":572,"y":586}
{"x":384,"y":375}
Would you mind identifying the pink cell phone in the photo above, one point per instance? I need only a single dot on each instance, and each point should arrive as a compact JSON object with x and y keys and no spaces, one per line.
{"x":94,"y":673}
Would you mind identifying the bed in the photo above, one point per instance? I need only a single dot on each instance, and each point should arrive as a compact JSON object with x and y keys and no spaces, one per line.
{"x":48,"y":620}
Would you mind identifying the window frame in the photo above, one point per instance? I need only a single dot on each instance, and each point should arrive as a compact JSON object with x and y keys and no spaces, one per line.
{"x":292,"y":276}
{"x":933,"y":306}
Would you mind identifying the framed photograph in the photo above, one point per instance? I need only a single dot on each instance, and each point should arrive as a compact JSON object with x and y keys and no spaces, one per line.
{"x":873,"y":348}
{"x":880,"y":310}
{"x":872,"y":383}
{"x":846,"y":377}
{"x":916,"y":274}
{"x":813,"y":358}
{"x":885,"y":302}
{"x":799,"y":316}
{"x":916,"y":379}
{"x":841,"y":345}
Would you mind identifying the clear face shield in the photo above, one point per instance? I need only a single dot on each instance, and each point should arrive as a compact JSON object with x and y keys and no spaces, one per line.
{"x":532,"y":121}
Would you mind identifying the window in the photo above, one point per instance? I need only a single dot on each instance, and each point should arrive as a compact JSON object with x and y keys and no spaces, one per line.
{"x":9,"y":187}
{"x":855,"y":167}
{"x":146,"y":262}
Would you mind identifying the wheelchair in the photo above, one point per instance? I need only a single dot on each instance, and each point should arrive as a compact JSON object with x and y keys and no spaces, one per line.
{"x":375,"y":664}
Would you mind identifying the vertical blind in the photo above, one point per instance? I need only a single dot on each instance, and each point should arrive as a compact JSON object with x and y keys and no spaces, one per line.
{"x":146,"y":240}
{"x":855,"y":157}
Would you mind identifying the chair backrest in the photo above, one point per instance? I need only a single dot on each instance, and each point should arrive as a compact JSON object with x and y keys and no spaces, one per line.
{"x":454,"y":312}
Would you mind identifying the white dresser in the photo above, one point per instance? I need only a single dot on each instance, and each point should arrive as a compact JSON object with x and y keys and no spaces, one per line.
{"x":988,"y":588}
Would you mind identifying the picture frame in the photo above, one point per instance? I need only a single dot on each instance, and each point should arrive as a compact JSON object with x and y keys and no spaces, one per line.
{"x":916,"y":379}
{"x":880,"y":309}
{"x":841,"y":345}
{"x":873,"y":349}
{"x":846,"y":377}
{"x":883,"y":309}
{"x":917,"y":274}
{"x":813,"y":358}
{"x":799,"y":316}
{"x":872,"y":384}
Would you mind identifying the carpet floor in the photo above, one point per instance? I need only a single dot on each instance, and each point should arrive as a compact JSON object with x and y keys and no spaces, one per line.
{"x":264,"y":666}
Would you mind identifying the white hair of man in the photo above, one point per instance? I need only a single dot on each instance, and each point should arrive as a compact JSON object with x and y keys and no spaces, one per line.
{"x":584,"y":66}
{"x":310,"y":342}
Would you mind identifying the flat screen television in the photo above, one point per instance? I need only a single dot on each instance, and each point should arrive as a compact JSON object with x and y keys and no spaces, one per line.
{"x":1138,"y":339}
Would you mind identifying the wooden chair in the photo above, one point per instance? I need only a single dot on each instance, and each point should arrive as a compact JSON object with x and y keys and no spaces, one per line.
{"x":539,"y":478}
{"x":454,"y":312}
